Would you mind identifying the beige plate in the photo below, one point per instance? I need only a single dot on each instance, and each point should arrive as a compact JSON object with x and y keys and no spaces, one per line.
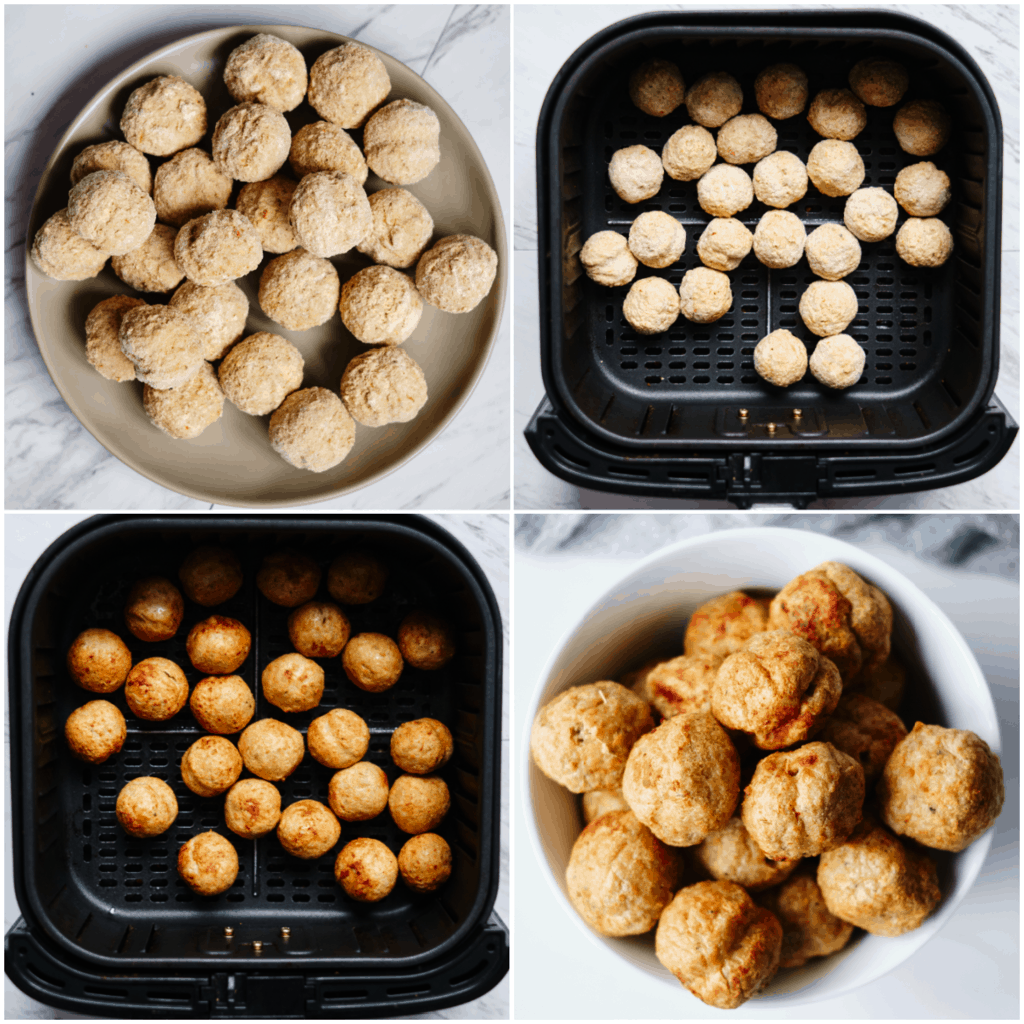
{"x":232,"y":462}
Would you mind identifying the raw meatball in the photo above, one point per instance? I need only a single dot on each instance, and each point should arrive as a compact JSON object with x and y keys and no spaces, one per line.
{"x":358,"y":793}
{"x":372,"y":662}
{"x":879,"y":83}
{"x":746,"y":139}
{"x":651,"y":306}
{"x":95,"y":731}
{"x":211,"y":766}
{"x":380,"y":306}
{"x":308,"y":829}
{"x":293,"y":683}
{"x":218,"y":247}
{"x":828,"y":307}
{"x":222,"y":704}
{"x":401,"y":228}
{"x":210,"y":575}
{"x":731,"y":855}
{"x":418,"y":803}
{"x":108,"y":209}
{"x":704,"y":295}
{"x":146,"y":807}
{"x":620,"y":877}
{"x":719,"y":943}
{"x":154,"y":609}
{"x":151,"y":267}
{"x":723,"y":625}
{"x":346,"y":83}
{"x":657,"y":87}
{"x":156,"y":689}
{"x":599,"y":802}
{"x":688,"y":153}
{"x":683,"y":780}
{"x":356,"y":577}
{"x":808,"y":927}
{"x":837,"y":114}
{"x":870,"y":213}
{"x":402,"y":142}
{"x":338,"y":739}
{"x":780,"y":179}
{"x":219,"y":314}
{"x":832,"y":252}
{"x":803,"y":802}
{"x":384,"y":385}
{"x":607,"y":259}
{"x":456,"y":273}
{"x":299,"y":290}
{"x":163,"y":116}
{"x":208,"y":863}
{"x":366,"y":869}
{"x":922,"y":127}
{"x":713,"y":99}
{"x":102,"y":342}
{"x":312,"y":429}
{"x":266,"y":204}
{"x":186,"y":411}
{"x":635,"y":173}
{"x":113,"y":156}
{"x":251,"y":142}
{"x":779,"y":239}
{"x":724,"y":243}
{"x":924,"y":242}
{"x":781,"y":91}
{"x":260,"y":372}
{"x":319,"y":629}
{"x":942,"y":787}
{"x":680,"y":685}
{"x":837,"y":362}
{"x":271,"y":749}
{"x":421,"y":746}
{"x":884,"y":683}
{"x":330,"y":213}
{"x":922,"y":189}
{"x":218,"y":645}
{"x":780,"y":358}
{"x":582,"y":738}
{"x":266,"y":69}
{"x":866,"y":730}
{"x":99,"y":661}
{"x":162,"y":344}
{"x":426,"y":640}
{"x":189,"y":185}
{"x":252,"y":808}
{"x":288,"y":578}
{"x":877,"y":883}
{"x":323,"y":146}
{"x":835,"y":168}
{"x":725,"y":191}
{"x":61,"y":253}
{"x":656,"y":239}
{"x":425,"y":862}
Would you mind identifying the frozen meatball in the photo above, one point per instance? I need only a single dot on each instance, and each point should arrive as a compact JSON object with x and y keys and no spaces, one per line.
{"x":426,"y":641}
{"x":323,"y":146}
{"x":146,"y":807}
{"x":211,"y":766}
{"x":154,"y":609}
{"x":251,"y":142}
{"x":725,"y":191}
{"x":689,"y":152}
{"x":704,"y":295}
{"x":657,"y":87}
{"x":835,"y":168}
{"x":401,"y":229}
{"x":832,"y":252}
{"x":372,"y":661}
{"x":942,"y":787}
{"x":456,"y":273}
{"x":780,"y":179}
{"x":102,"y":341}
{"x":162,"y":344}
{"x":656,"y":239}
{"x":607,"y":259}
{"x":266,"y":204}
{"x":358,"y":793}
{"x":218,"y":645}
{"x":260,"y":372}
{"x":724,"y":243}
{"x":651,"y":306}
{"x":421,"y":746}
{"x":877,"y":883}
{"x":402,"y":142}
{"x":635,"y":173}
{"x":288,"y":578}
{"x":837,"y":362}
{"x":425,"y":862}
{"x":271,"y":749}
{"x":99,"y":661}
{"x":319,"y":629}
{"x":338,"y":739}
{"x":299,"y":290}
{"x":781,"y":91}
{"x":837,"y":114}
{"x":683,"y":780}
{"x":884,"y":683}
{"x":384,"y":385}
{"x":156,"y":689}
{"x":95,"y":731}
{"x":680,"y":685}
{"x":582,"y":738}
{"x":312,"y":429}
{"x":113,"y":156}
{"x":356,"y":577}
{"x":599,"y":802}
{"x":879,"y":83}
{"x":266,"y":69}
{"x":731,"y":854}
{"x":330,"y":213}
{"x":308,"y":829}
{"x":210,"y":575}
{"x":721,"y":945}
{"x":186,"y":411}
{"x":746,"y":139}
{"x":219,"y":314}
{"x":208,"y":864}
{"x":866,"y":730}
{"x":870,"y":214}
{"x":922,"y":127}
{"x":803,"y":802}
{"x":924,"y":242}
{"x":620,"y":876}
{"x":189,"y":185}
{"x":418,"y":803}
{"x":218,"y":247}
{"x":779,"y":239}
{"x":828,"y":307}
{"x":252,"y":808}
{"x":723,"y":625}
{"x":346,"y":83}
{"x":366,"y":869}
{"x":293,"y":683}
{"x":713,"y":99}
{"x":222,"y":704}
{"x":151,"y":267}
{"x":809,"y":928}
{"x":108,"y":209}
{"x":380,"y":306}
{"x":63,"y":254}
{"x":164,"y":116}
{"x":780,"y":358}
{"x":922,"y":189}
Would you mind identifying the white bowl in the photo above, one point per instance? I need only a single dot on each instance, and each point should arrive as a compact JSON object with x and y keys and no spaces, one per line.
{"x":644,"y":616}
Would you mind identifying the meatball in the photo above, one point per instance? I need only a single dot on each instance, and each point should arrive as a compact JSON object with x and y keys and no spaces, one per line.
{"x":366,"y":869}
{"x":308,"y":829}
{"x":779,"y":239}
{"x":879,"y":83}
{"x":884,"y":683}
{"x":713,"y":99}
{"x":164,"y":116}
{"x":724,"y":243}
{"x":922,"y":189}
{"x":808,"y":926}
{"x":924,"y":242}
{"x":421,"y":746}
{"x":780,"y":179}
{"x":211,"y":766}
{"x":705,"y":295}
{"x":222,"y":704}
{"x":372,"y":662}
{"x":922,"y":127}
{"x":102,"y":337}
{"x":208,"y":863}
{"x":163,"y":345}
{"x":299,"y":290}
{"x":599,"y":802}
{"x":108,"y":209}
{"x":156,"y":689}
{"x":651,"y":306}
{"x":871,"y":213}
{"x":329,"y":213}
{"x":146,"y":807}
{"x":689,"y":153}
{"x":401,"y":231}
{"x":154,"y":609}
{"x":780,"y":358}
{"x":827,"y":308}
{"x":210,"y":575}
{"x":260,"y":372}
{"x":319,"y":629}
{"x":832,"y":252}
{"x":745,"y":139}
{"x":293,"y":683}
{"x":186,"y":411}
{"x":657,"y":87}
{"x":835,"y":168}
{"x":608,"y":260}
{"x":456,"y":273}
{"x":725,"y":190}
{"x":679,"y":686}
{"x":266,"y":204}
{"x":95,"y":731}
{"x":217,"y":247}
{"x":731,"y":855}
{"x":252,"y":808}
{"x":271,"y":749}
{"x":356,"y":577}
{"x":426,"y":640}
{"x":636,"y":173}
{"x":358,"y":793}
{"x":218,"y":645}
{"x":656,"y":239}
{"x":266,"y":69}
{"x":61,"y":253}
{"x":866,"y":730}
{"x":347,"y":83}
{"x":418,"y":803}
{"x":837,"y":114}
{"x":113,"y":156}
{"x":837,"y":362}
{"x":338,"y":739}
{"x":402,"y":142}
{"x":251,"y":142}
{"x":781,"y":91}
{"x":151,"y":266}
{"x":323,"y":146}
{"x":99,"y":660}
{"x":380,"y":306}
{"x":425,"y":862}
{"x":382,"y":386}
{"x":219,"y":314}
{"x":288,"y":578}
{"x":312,"y":430}
{"x":187,"y":186}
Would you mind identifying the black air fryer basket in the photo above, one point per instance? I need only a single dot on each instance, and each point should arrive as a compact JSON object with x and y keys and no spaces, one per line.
{"x":107,"y":925}
{"x":683,"y":414}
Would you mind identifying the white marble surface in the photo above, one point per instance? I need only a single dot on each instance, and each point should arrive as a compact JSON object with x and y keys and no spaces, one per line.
{"x":486,"y":536}
{"x":970,"y":566}
{"x":57,"y":57}
{"x":545,"y":36}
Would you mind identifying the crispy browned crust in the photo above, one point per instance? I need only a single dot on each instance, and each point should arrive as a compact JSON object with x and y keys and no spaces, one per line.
{"x":723,"y":625}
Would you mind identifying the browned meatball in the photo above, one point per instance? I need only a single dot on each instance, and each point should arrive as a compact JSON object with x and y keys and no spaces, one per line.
{"x":308,"y":829}
{"x":252,"y":808}
{"x":418,"y":803}
{"x":319,"y":629}
{"x":156,"y":689}
{"x":293,"y":683}
{"x":210,"y":575}
{"x":99,"y":660}
{"x":426,"y":640}
{"x":211,"y":766}
{"x":425,"y":862}
{"x":218,"y":645}
{"x":356,"y":577}
{"x":723,"y":625}
{"x":808,"y":927}
{"x":222,"y":704}
{"x":866,"y":730}
{"x":372,"y":661}
{"x":421,"y":746}
{"x":208,"y":863}
{"x":146,"y":807}
{"x":358,"y":793}
{"x":271,"y":749}
{"x":288,"y":578}
{"x":366,"y":869}
{"x":95,"y":731}
{"x":338,"y":739}
{"x":154,"y":609}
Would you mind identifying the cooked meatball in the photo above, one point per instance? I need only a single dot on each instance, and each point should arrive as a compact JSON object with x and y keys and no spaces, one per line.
{"x":99,"y":661}
{"x":252,"y":808}
{"x":425,"y":862}
{"x":146,"y":807}
{"x":922,"y":127}
{"x":218,"y":645}
{"x":308,"y":829}
{"x":731,"y":854}
{"x":154,"y":609}
{"x":293,"y":683}
{"x":211,"y":575}
{"x":271,"y":749}
{"x":338,"y":739}
{"x":356,"y":577}
{"x":211,"y":766}
{"x":208,"y":863}
{"x":358,"y":793}
{"x":156,"y":689}
{"x":426,"y":640}
{"x":222,"y":704}
{"x":366,"y":869}
{"x":418,"y":803}
{"x":421,"y":746}
{"x":95,"y":731}
{"x":372,"y":661}
{"x":319,"y":629}
{"x":288,"y":578}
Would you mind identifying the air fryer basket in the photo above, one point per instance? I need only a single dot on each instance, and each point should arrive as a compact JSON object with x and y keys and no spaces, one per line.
{"x":114,"y":906}
{"x":931,"y":336}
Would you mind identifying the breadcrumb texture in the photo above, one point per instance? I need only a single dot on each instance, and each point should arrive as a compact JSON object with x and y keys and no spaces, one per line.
{"x":380,"y":306}
{"x":385,"y":385}
{"x":260,"y":372}
{"x":725,"y":190}
{"x":746,"y":138}
{"x":608,"y":260}
{"x":402,"y":142}
{"x":400,"y":231}
{"x":456,"y":273}
{"x":837,"y":114}
{"x":924,"y":242}
{"x":251,"y":142}
{"x":870,"y":214}
{"x":188,"y":186}
{"x":312,"y":429}
{"x":219,"y":314}
{"x":164,"y":116}
{"x":347,"y":83}
{"x":218,"y":247}
{"x":780,"y":179}
{"x":922,"y":127}
{"x":705,"y":295}
{"x":922,"y":189}
{"x":657,"y":87}
{"x":323,"y":146}
{"x":713,"y":99}
{"x":636,"y":173}
{"x":689,"y":152}
{"x":151,"y":267}
{"x":113,"y":156}
{"x":108,"y":209}
{"x":879,"y":83}
{"x":828,"y":307}
{"x":835,"y":167}
{"x":779,"y":239}
{"x":780,"y":358}
{"x":330,"y":213}
{"x":837,"y":362}
{"x":832,"y":252}
{"x":724,"y":243}
{"x":63,"y":254}
{"x":657,"y":239}
{"x":266,"y":69}
{"x":299,"y":290}
{"x":102,"y":341}
{"x":186,"y":411}
{"x":266,"y":204}
{"x":651,"y":306}
{"x":781,"y":91}
{"x":163,"y":344}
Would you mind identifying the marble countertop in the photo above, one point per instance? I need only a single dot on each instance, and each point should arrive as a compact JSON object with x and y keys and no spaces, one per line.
{"x":57,"y":57}
{"x":545,"y":36}
{"x":970,"y":566}
{"x":487,"y":539}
